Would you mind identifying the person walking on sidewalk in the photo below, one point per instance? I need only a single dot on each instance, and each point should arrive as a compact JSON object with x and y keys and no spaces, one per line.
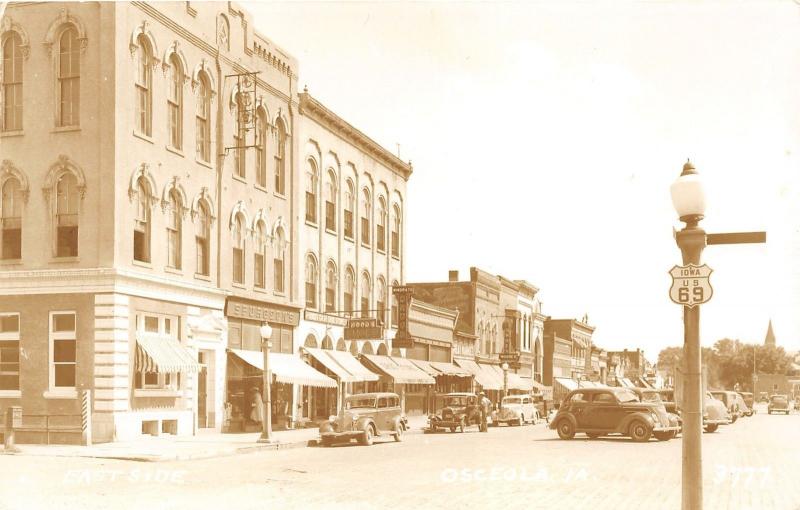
{"x":485,"y":404}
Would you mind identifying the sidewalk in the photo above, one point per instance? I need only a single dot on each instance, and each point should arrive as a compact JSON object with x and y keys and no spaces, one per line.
{"x":202,"y":446}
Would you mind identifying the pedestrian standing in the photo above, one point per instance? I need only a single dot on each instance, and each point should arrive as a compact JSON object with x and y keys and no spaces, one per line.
{"x":485,"y":404}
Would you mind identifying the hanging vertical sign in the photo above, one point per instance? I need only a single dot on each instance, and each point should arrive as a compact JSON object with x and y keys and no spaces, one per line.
{"x":402,"y":295}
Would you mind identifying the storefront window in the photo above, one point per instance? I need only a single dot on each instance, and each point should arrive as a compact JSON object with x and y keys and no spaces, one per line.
{"x":166,"y":325}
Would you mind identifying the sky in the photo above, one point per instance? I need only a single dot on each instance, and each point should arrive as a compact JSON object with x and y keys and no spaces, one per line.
{"x":544,"y":138}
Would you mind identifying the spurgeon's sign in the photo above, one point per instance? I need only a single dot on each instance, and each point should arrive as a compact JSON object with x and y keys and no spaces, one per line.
{"x":261,"y":312}
{"x":363,"y":329}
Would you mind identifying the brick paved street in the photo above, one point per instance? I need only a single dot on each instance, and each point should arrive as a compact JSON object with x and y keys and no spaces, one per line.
{"x":750,"y":465}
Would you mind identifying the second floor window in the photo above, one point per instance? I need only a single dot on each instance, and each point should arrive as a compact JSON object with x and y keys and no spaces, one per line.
{"x":238,"y":250}
{"x":203,"y":120}
{"x":144,"y":87}
{"x":330,"y":201}
{"x":67,"y":202}
{"x":311,"y":192}
{"x":277,"y":261}
{"x":380,"y":228}
{"x":202,"y":240}
{"x":174,"y":230}
{"x":349,"y":290}
{"x":175,"y":104}
{"x":396,"y":219}
{"x":260,"y":256}
{"x":141,"y":228}
{"x":380,"y":305}
{"x":366,"y":213}
{"x":366,"y":287}
{"x":349,"y":210}
{"x":239,"y":138}
{"x":69,"y":78}
{"x":395,"y":309}
{"x":11,"y":220}
{"x":261,"y":149}
{"x":280,"y":160}
{"x":311,"y":282}
{"x":12,"y":83}
{"x":330,"y":288}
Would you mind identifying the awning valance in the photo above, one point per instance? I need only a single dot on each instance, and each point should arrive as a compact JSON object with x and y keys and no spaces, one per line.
{"x":343,"y":364}
{"x":440,"y":368}
{"x":400,"y":371}
{"x":163,"y":354}
{"x":286,"y":368}
{"x":484,"y":378}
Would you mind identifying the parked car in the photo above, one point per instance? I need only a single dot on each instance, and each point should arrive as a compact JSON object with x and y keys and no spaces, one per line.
{"x":653,"y":396}
{"x":763,"y":396}
{"x":749,"y":402}
{"x":601,"y":411}
{"x":459,"y":411}
{"x":778,"y":404}
{"x":715,"y":414}
{"x":729,"y":399}
{"x":364,"y":417}
{"x":516,"y":410}
{"x":744,"y":409}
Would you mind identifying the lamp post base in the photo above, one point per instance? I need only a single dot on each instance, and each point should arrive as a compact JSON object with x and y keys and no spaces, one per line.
{"x":267,"y":440}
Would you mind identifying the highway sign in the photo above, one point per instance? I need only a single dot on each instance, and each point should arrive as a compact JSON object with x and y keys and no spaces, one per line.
{"x":690,"y":285}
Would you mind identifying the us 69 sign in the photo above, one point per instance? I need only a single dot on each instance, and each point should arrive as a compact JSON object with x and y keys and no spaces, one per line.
{"x":690,"y":285}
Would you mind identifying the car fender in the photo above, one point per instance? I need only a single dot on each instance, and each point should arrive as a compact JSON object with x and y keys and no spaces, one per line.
{"x":326,"y":427}
{"x":626,"y":422}
{"x":398,"y":424}
{"x":365,"y":422}
{"x":557,"y":418}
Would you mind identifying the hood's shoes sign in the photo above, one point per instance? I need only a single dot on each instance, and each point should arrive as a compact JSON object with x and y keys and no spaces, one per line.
{"x":690,"y":285}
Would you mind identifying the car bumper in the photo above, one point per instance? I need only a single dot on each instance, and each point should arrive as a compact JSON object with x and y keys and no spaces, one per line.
{"x":443,"y":424}
{"x":720,"y":421}
{"x":341,"y":436}
{"x":666,"y":429}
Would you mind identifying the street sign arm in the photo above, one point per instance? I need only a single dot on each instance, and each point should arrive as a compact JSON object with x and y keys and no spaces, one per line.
{"x":736,"y":238}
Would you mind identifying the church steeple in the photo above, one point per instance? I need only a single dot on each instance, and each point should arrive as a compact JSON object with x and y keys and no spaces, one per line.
{"x":770,"y":338}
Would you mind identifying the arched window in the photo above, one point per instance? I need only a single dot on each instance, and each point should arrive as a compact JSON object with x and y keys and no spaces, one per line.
{"x":174,"y":230}
{"x":330,"y":201}
{"x":240,"y":153}
{"x":144,"y":87}
{"x":175,"y":103}
{"x":278,"y":260}
{"x":280,"y":159}
{"x":395,"y":309}
{"x":141,"y":228}
{"x":396,"y":221}
{"x":311,"y":282}
{"x":202,"y":238}
{"x":331,"y":278}
{"x":380,"y":297}
{"x":311,"y":341}
{"x":67,"y":202}
{"x":12,"y":82}
{"x":203,"y":119}
{"x":494,"y":340}
{"x":11,"y":220}
{"x":238,"y":249}
{"x":69,"y":78}
{"x":261,"y":149}
{"x":380,"y":228}
{"x":311,"y":191}
{"x":327,"y":343}
{"x":340,"y":345}
{"x":366,"y":214}
{"x":349,"y":209}
{"x":366,"y":288}
{"x":260,"y":256}
{"x":349,"y":290}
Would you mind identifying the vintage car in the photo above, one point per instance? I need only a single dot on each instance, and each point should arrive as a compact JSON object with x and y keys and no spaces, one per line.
{"x":763,"y":396}
{"x":653,"y":396}
{"x":778,"y":404}
{"x":749,"y":402}
{"x":365,"y":416}
{"x":516,"y":410}
{"x":715,"y":414}
{"x":729,"y":399}
{"x":459,"y":411}
{"x":744,"y":409}
{"x":601,"y":411}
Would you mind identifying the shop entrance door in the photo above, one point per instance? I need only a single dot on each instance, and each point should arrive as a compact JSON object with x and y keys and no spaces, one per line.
{"x":202,"y":392}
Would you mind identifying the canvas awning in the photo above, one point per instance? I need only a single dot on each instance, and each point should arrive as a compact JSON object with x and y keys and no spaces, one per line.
{"x":287,"y":368}
{"x":484,"y":378}
{"x":343,"y":364}
{"x":627,"y":383}
{"x":401,"y":373}
{"x":440,"y":368}
{"x":163,"y":354}
{"x":426,"y":367}
{"x":515,"y":381}
{"x":567,"y":383}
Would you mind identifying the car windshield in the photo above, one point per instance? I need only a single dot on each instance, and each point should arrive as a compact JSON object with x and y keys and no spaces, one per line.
{"x":512,"y":400}
{"x":651,"y":396}
{"x":779,"y":399}
{"x":455,"y":401}
{"x":626,"y":396}
{"x":359,"y":402}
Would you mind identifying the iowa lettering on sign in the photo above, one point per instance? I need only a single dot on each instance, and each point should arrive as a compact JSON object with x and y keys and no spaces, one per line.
{"x":690,"y":285}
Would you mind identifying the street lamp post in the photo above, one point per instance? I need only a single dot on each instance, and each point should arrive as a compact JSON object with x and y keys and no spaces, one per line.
{"x":504,"y":366}
{"x":266,"y":420}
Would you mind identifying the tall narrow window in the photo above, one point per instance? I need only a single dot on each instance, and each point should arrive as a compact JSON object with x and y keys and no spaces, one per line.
{"x":12,"y":82}
{"x":63,"y":350}
{"x":311,"y":192}
{"x":260,"y":256}
{"x":278,"y":261}
{"x":67,"y":203}
{"x":380,"y":297}
{"x":144,"y":87}
{"x":261,"y":149}
{"x":202,"y":237}
{"x":238,"y":250}
{"x":366,"y":287}
{"x":330,"y":201}
{"x":175,"y":103}
{"x":239,"y":138}
{"x":141,"y":229}
{"x":280,"y":160}
{"x":349,"y":290}
{"x":9,"y":352}
{"x":311,"y":282}
{"x":330,"y":287}
{"x":395,"y":308}
{"x":69,"y":78}
{"x":11,"y":220}
{"x":203,"y":120}
{"x":174,"y":230}
{"x":380,"y":228}
{"x":349,"y":209}
{"x":396,"y":220}
{"x":366,"y":213}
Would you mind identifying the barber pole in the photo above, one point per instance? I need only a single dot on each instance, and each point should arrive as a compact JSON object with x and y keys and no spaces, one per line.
{"x":86,"y":418}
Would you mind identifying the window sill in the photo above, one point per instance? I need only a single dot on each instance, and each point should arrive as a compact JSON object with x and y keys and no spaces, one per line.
{"x":142,"y":263}
{"x":279,"y":195}
{"x":260,"y":188}
{"x":351,"y":239}
{"x":238,"y":285}
{"x":62,"y":393}
{"x":382,"y":252}
{"x":204,"y":277}
{"x":65,"y":129}
{"x":10,"y":394}
{"x":396,"y":257}
{"x":9,"y":134}
{"x":311,"y":223}
{"x":11,"y":262}
{"x":174,"y":150}
{"x":64,"y":260}
{"x":156,"y":392}
{"x":173,"y":270}
{"x":331,"y":231}
{"x":143,"y":136}
{"x":262,"y":290}
{"x":279,"y":293}
{"x":206,"y":164}
{"x":365,"y":245}
{"x":239,"y":178}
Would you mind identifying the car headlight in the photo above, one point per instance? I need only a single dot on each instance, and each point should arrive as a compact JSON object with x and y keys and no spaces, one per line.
{"x":332,"y":418}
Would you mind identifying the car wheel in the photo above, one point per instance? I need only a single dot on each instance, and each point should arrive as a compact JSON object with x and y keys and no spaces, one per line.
{"x":639,"y":431}
{"x":769,"y":411}
{"x":712,"y":428}
{"x":398,"y":435}
{"x":367,"y":436}
{"x":734,"y":418}
{"x":663,"y":436}
{"x":566,"y":430}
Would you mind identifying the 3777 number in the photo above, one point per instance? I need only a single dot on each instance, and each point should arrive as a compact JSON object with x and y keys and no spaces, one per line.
{"x":695,"y":291}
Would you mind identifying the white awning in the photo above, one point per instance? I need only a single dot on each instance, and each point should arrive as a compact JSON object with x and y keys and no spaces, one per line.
{"x":343,"y":364}
{"x":287,"y":368}
{"x":163,"y":354}
{"x":569,"y":384}
{"x":484,"y":378}
{"x":401,"y":373}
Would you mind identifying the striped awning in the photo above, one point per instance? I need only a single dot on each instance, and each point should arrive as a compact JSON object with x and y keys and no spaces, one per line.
{"x":343,"y":364}
{"x":286,"y":368}
{"x":163,"y":354}
{"x":399,"y":369}
{"x":484,"y":378}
